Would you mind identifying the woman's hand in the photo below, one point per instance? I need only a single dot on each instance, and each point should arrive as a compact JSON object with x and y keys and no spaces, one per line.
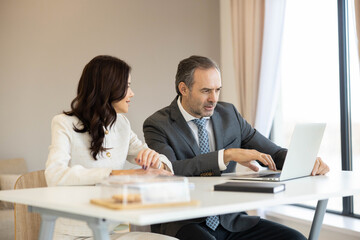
{"x":148,"y":158}
{"x":150,"y":171}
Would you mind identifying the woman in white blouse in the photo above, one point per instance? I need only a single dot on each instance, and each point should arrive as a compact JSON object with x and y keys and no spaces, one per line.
{"x":94,"y":139}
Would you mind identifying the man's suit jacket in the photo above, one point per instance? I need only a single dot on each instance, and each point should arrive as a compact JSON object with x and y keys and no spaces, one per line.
{"x":167,"y":132}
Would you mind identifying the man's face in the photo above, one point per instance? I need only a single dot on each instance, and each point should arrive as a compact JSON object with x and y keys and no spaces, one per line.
{"x":201,"y":100}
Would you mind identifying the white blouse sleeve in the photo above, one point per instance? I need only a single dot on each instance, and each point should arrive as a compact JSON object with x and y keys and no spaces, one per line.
{"x":57,"y":170}
{"x":136,"y":145}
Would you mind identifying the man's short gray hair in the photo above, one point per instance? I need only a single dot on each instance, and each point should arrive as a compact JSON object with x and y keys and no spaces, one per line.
{"x":187,"y":67}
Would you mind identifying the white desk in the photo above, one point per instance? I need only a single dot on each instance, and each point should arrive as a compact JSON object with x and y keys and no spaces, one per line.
{"x":73,"y":202}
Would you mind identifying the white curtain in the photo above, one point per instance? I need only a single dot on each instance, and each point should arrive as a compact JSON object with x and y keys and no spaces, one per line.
{"x":269,"y":85}
{"x":268,"y":88}
{"x":230,"y":89}
{"x":247,"y":18}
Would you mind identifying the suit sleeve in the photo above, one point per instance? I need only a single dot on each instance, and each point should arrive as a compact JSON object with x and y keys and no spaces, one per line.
{"x":202,"y":165}
{"x":252,"y":139}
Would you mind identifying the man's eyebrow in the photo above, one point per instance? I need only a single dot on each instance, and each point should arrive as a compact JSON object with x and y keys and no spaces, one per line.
{"x":211,"y":88}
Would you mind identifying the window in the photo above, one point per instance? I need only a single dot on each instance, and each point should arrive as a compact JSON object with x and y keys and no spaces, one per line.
{"x":310,"y":81}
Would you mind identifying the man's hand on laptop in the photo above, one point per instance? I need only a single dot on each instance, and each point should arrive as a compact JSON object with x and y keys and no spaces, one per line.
{"x":320,"y":167}
{"x":245,"y":156}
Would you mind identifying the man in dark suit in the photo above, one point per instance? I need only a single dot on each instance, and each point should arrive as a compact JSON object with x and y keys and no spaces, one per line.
{"x":204,"y":137}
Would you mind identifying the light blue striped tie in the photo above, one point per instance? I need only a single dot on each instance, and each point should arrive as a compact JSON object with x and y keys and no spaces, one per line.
{"x":213,"y":221}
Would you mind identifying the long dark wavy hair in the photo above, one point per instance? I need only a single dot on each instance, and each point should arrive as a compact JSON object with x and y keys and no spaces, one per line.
{"x":104,"y":80}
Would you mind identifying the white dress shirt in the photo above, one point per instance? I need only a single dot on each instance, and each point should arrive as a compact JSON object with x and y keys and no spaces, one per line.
{"x":188,"y":118}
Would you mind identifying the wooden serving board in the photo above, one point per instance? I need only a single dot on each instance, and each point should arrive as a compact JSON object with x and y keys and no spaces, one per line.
{"x":113,"y":204}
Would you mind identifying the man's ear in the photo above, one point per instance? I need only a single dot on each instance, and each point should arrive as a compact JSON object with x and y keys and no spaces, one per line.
{"x":183,"y":88}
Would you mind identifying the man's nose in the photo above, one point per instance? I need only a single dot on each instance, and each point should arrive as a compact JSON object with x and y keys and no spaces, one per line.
{"x":213,"y":97}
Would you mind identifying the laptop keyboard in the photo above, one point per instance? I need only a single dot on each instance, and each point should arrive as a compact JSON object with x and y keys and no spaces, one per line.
{"x":270,"y":175}
{"x":262,"y":175}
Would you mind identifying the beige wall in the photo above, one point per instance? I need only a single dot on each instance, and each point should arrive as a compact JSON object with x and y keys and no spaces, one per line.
{"x":44,"y":46}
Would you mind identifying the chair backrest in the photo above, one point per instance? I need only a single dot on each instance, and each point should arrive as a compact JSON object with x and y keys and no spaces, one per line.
{"x":27,"y":224}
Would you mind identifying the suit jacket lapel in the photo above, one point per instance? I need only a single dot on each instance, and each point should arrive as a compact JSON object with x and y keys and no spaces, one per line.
{"x":217,"y":128}
{"x":183,"y":128}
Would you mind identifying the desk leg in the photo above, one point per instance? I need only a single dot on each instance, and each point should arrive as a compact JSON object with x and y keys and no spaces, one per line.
{"x":318,"y":219}
{"x":48,"y":217}
{"x":99,"y":228}
{"x":47,"y":226}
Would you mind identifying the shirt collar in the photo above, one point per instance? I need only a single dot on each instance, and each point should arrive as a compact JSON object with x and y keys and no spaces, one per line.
{"x":187,"y":116}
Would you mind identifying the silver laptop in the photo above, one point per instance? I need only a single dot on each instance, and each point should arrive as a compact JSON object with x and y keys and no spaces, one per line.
{"x":300,"y":158}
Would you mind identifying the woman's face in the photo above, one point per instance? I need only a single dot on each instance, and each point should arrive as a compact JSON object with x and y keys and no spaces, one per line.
{"x":122,"y":106}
